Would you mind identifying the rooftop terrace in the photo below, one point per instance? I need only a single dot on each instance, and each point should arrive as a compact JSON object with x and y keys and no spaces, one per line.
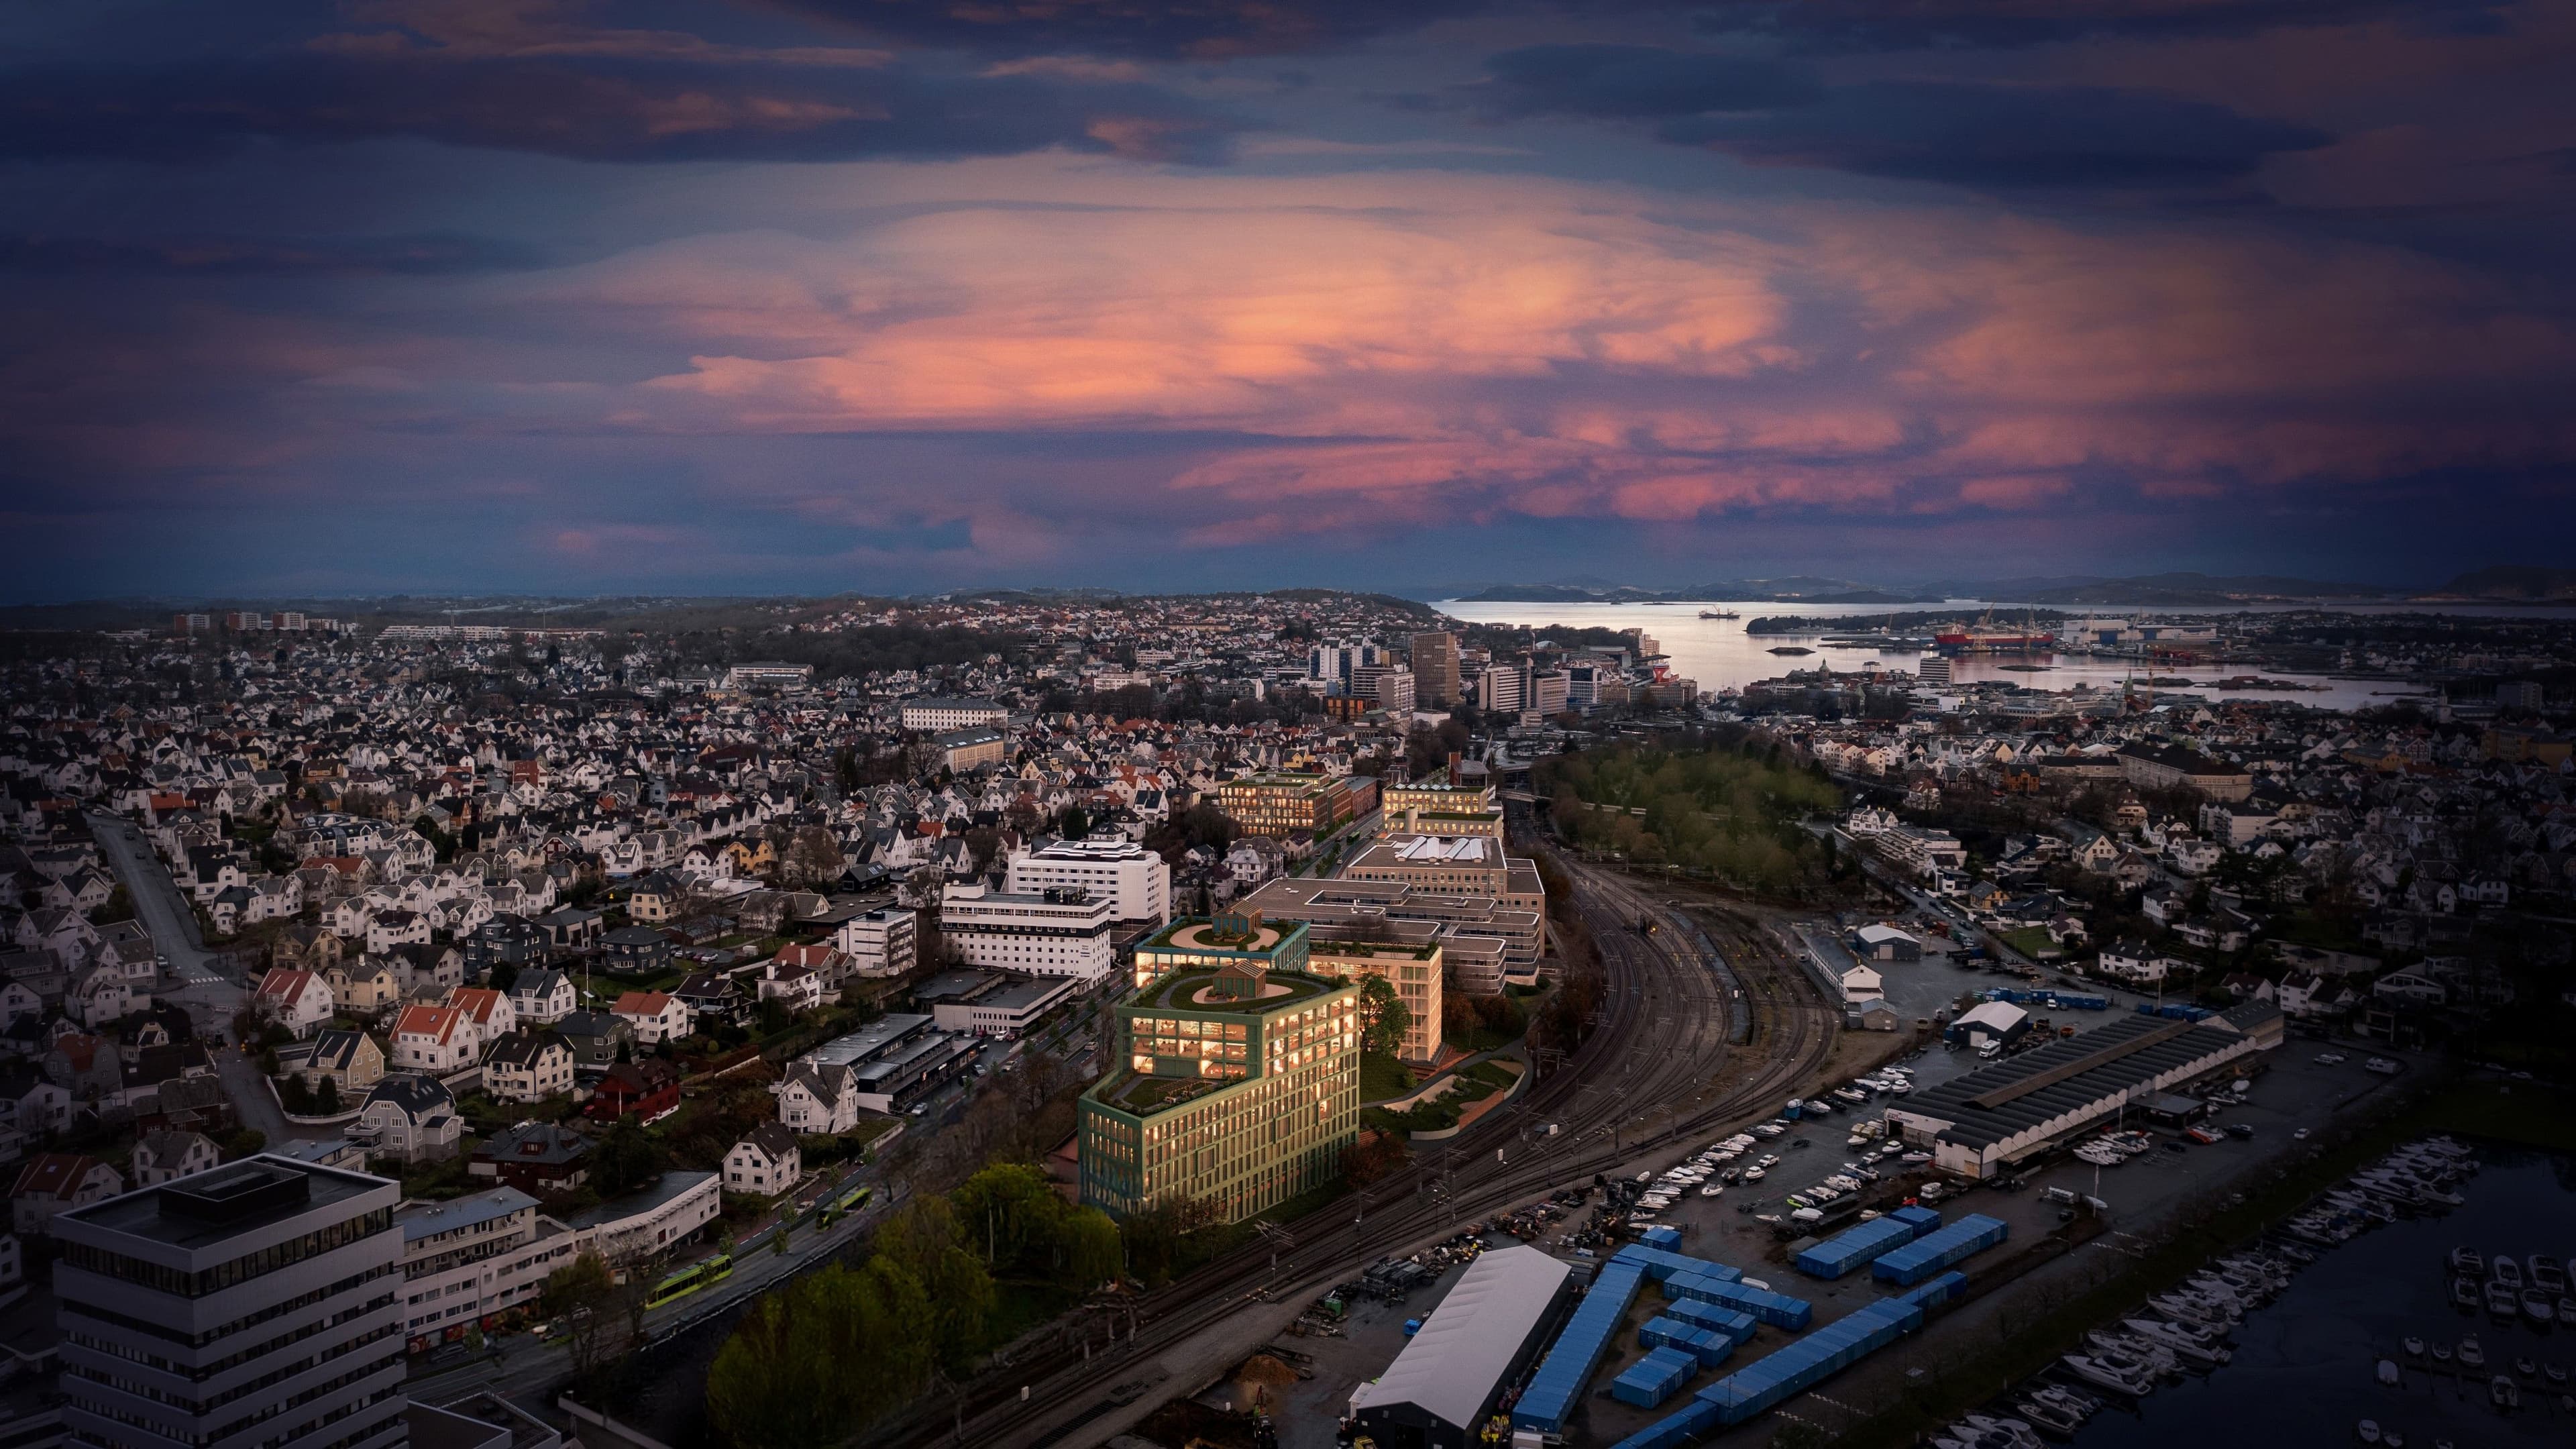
{"x":1188,"y":991}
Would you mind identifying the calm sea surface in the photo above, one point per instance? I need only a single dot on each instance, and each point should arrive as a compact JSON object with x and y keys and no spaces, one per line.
{"x":2305,"y":1367}
{"x":1720,"y":655}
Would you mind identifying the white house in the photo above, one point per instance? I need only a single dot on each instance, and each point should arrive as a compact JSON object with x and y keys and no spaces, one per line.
{"x":543,"y":997}
{"x":435,"y":1039}
{"x":528,"y":1066}
{"x":765,"y":1163}
{"x":819,"y":1101}
{"x":410,"y":1117}
{"x":654,"y":1016}
{"x":166,"y":1156}
{"x":299,"y":1000}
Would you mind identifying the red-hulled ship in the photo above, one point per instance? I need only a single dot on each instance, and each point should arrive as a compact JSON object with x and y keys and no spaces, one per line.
{"x":1985,"y":639}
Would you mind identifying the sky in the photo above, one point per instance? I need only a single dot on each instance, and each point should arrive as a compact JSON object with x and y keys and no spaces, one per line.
{"x":324,"y":297}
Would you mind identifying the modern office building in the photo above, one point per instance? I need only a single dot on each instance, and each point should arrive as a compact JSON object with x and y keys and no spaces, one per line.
{"x":1549,"y":691}
{"x":1406,"y":954}
{"x":1500,"y":689}
{"x":941,"y":715}
{"x":257,"y":1304}
{"x":1438,"y":808}
{"x":1294,"y":803}
{"x":1136,"y":881}
{"x":1236,"y":1086}
{"x":1330,"y":664}
{"x":1000,"y":1004}
{"x":969,"y":749}
{"x":1057,"y":931}
{"x":1435,"y":668}
{"x":1483,"y":943}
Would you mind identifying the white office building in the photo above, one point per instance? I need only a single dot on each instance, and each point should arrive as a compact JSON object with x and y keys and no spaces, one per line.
{"x":941,"y":715}
{"x":882,"y":942}
{"x":1498,"y":689}
{"x":257,"y":1304}
{"x":469,"y":1259}
{"x":1137,"y":881}
{"x":1058,"y":931}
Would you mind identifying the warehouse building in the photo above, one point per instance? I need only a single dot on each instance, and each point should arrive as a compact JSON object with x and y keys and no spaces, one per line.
{"x":1995,"y":1021}
{"x":1441,"y":1389}
{"x":2008,"y":1113}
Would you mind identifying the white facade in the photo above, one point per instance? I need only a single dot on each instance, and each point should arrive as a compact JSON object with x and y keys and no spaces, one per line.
{"x":473,"y":1257}
{"x":1137,"y":881}
{"x":942,"y":715}
{"x":883,"y":942}
{"x":1047,"y":933}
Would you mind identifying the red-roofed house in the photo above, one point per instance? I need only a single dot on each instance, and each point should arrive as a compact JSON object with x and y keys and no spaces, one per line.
{"x":655,"y":1016}
{"x":435,"y":1039}
{"x":300,"y":1000}
{"x":53,"y":1181}
{"x":649,"y":1089}
{"x":830,"y":965}
{"x":490,"y":1011}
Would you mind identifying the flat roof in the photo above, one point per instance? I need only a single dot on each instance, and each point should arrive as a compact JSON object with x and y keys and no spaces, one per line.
{"x":1179,"y":992}
{"x":428,"y":1219}
{"x":672,"y":1187}
{"x":140,"y":1214}
{"x":868,"y":1040}
{"x":1454,"y":1364}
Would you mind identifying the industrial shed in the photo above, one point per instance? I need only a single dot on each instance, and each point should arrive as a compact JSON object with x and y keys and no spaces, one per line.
{"x":1440,"y":1389}
{"x":2016,"y":1109}
{"x":2000,"y":1020}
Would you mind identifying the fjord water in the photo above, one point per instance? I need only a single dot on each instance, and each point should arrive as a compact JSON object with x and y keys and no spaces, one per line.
{"x":2303,"y":1371}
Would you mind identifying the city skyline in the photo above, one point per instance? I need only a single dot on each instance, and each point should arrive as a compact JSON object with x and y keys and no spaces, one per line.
{"x":322,"y":299}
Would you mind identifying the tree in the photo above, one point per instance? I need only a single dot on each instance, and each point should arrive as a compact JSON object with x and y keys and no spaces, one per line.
{"x":326,"y":1098}
{"x":812,"y":857}
{"x":925,"y":1242}
{"x":1384,"y":1018}
{"x":119,"y":907}
{"x":1372,"y":1157}
{"x":625,"y":1159}
{"x":828,"y":1353}
{"x":581,"y":1293}
{"x":1073,"y":824}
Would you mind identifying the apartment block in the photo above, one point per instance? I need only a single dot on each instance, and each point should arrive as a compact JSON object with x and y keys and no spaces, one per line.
{"x":1137,"y":882}
{"x":1057,"y":931}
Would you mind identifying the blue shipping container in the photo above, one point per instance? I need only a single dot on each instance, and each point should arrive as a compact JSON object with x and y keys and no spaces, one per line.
{"x":1854,"y":1247}
{"x":1736,"y":1326}
{"x":1937,"y":1250}
{"x":1676,"y":1429}
{"x":1923,"y":1218}
{"x":1937,"y":1290}
{"x":1706,"y":1345}
{"x":1661,"y":1264}
{"x":1558,"y":1383}
{"x":1663,"y":1235}
{"x":1652,"y":1379}
{"x":1776,"y":1309}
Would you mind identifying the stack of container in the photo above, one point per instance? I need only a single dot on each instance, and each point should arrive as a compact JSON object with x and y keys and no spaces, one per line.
{"x":1656,"y":1377}
{"x":1855,"y":1247}
{"x":1706,"y":1345}
{"x":1939,"y":1249}
{"x":1662,"y":1235}
{"x":1936,"y":1291}
{"x":1736,"y":1326}
{"x":1923,"y":1218}
{"x":1798,"y":1366}
{"x":1681,"y":1427}
{"x":1662,"y":1264}
{"x":1558,"y":1384}
{"x":1778,"y":1310}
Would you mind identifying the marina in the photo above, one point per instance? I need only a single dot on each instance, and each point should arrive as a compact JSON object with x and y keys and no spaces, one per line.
{"x":2367,"y":1340}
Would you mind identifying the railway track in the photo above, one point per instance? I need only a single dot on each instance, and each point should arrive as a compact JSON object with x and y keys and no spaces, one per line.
{"x":1656,"y":1075}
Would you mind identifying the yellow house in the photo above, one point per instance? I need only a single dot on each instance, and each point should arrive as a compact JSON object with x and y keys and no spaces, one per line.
{"x":751,"y":858}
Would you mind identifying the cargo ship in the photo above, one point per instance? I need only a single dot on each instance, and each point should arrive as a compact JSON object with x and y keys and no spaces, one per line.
{"x":1983,"y":639}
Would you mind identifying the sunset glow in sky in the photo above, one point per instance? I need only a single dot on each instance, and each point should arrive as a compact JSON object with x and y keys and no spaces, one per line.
{"x":339,"y":296}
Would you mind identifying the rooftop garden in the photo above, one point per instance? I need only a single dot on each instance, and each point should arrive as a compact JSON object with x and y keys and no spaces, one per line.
{"x":1181,"y":993}
{"x":1146,"y":1095}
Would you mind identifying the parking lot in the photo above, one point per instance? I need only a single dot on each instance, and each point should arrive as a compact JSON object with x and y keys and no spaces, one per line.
{"x":2293,"y":1091}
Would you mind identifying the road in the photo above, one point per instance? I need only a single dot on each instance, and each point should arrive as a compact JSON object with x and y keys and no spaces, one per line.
{"x":1658,"y":1076}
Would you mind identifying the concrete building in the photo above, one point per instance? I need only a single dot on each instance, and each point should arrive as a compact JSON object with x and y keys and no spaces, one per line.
{"x":968,"y":749}
{"x":1434,"y":657}
{"x":2167,"y":767}
{"x":992,"y":1003}
{"x":1058,"y":931}
{"x":882,"y":942}
{"x":1500,"y":689}
{"x":1407,"y":956}
{"x":1439,"y":809}
{"x":940,"y":715}
{"x":889,"y":1065}
{"x":469,"y":1260}
{"x":656,"y":1220}
{"x":1483,"y":943}
{"x":1137,"y":881}
{"x":256,"y":1304}
{"x":1237,"y":1087}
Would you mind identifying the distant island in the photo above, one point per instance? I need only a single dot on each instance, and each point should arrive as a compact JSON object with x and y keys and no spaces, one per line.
{"x":2500,"y":584}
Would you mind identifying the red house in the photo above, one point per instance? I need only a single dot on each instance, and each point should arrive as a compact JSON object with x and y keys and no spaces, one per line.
{"x":648,"y":1089}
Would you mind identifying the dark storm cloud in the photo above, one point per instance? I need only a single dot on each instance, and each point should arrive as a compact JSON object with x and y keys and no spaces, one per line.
{"x":1636,"y":81}
{"x":1181,"y":29}
{"x":2004,"y":136}
{"x":265,"y":256}
{"x":588,"y":109}
{"x":1882,"y":25}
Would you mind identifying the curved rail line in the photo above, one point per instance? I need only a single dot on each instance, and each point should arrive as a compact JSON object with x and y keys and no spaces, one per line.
{"x":1656,"y":1073}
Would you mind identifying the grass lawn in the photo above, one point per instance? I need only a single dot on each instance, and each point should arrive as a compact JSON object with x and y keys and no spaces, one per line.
{"x":1382,"y":1077}
{"x":2034,"y":942}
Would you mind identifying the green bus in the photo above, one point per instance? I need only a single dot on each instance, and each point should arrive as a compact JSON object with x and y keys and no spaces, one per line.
{"x":688,"y":1280}
{"x":839,"y":1207}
